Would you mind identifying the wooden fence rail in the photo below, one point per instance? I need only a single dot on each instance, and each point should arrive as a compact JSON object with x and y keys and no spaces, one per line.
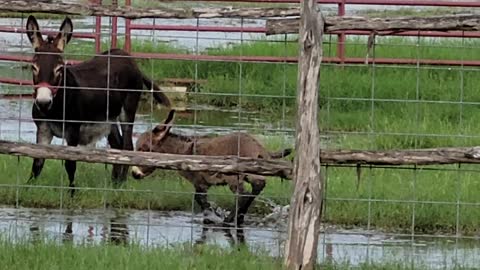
{"x":231,"y":164}
{"x":56,"y":7}
{"x":227,"y":164}
{"x":469,"y":22}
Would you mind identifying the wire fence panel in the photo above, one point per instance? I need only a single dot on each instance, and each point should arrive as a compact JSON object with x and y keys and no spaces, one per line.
{"x":225,"y":75}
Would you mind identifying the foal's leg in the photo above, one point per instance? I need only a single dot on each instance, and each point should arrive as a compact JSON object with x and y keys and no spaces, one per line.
{"x":246,"y":198}
{"x":44,"y":137}
{"x":210,"y":216}
{"x":201,"y":188}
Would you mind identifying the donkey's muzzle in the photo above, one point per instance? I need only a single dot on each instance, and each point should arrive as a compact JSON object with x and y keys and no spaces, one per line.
{"x":43,"y":105}
{"x":137,"y":173}
{"x":43,"y":95}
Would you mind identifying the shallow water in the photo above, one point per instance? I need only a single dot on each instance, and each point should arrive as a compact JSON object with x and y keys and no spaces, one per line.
{"x":213,"y":121}
{"x":153,"y":228}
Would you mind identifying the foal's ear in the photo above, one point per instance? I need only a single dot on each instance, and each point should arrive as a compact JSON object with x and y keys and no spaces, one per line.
{"x":33,"y":32}
{"x":65,"y":34}
{"x":160,"y":131}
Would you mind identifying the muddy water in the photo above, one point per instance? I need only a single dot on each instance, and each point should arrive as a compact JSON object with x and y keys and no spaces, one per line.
{"x":212,"y":120}
{"x":154,"y":229}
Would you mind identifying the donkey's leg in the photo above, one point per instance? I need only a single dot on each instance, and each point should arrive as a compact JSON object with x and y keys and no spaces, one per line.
{"x":246,"y":198}
{"x":201,"y":197}
{"x":258,"y":184}
{"x":201,"y":189}
{"x":127,"y":117}
{"x":70,"y":165}
{"x":115,"y":141}
{"x":44,"y":136}
{"x":210,"y":216}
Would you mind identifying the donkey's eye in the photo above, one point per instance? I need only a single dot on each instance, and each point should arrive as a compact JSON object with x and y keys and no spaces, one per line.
{"x":35,"y":69}
{"x":58,"y":69}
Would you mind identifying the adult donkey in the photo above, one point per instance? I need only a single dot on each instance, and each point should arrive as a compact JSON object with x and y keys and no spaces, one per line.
{"x":71,"y":101}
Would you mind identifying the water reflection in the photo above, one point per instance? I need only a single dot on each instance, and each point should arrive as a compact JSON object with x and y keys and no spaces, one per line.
{"x":205,"y":121}
{"x":234,"y":236}
{"x":114,"y":232}
{"x":68,"y":234}
{"x":164,"y":229}
{"x":118,"y":232}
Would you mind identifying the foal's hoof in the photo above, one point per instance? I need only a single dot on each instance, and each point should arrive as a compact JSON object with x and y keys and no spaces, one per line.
{"x":211,"y":217}
{"x":230,"y":221}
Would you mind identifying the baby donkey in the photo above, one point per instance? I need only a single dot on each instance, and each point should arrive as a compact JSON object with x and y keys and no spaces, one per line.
{"x":161,"y":140}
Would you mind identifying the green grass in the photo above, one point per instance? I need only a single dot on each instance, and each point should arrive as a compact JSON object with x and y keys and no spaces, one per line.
{"x":48,"y":255}
{"x":52,"y":256}
{"x":227,"y":79}
{"x":164,"y":190}
{"x":406,"y":108}
{"x":399,"y":195}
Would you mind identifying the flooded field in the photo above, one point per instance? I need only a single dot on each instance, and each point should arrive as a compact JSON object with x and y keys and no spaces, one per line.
{"x":16,"y":122}
{"x":155,"y":229}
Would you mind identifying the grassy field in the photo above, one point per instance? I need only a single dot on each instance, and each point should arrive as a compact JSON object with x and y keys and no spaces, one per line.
{"x":49,"y":256}
{"x":387,"y":198}
{"x":362,"y":107}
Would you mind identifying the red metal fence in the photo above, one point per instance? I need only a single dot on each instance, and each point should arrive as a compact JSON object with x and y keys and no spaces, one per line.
{"x":340,"y":57}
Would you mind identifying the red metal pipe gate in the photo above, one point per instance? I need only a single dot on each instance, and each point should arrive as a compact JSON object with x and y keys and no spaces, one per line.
{"x":340,"y":57}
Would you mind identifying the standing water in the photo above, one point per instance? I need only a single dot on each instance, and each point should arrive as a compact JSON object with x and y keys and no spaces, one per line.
{"x":164,"y":229}
{"x":153,"y":228}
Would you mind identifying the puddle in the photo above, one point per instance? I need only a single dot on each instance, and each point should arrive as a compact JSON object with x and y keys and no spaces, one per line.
{"x":154,"y":229}
{"x":213,"y":121}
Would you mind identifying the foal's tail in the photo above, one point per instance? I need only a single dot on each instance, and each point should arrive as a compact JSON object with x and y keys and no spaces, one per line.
{"x":157,"y":94}
{"x":281,"y":154}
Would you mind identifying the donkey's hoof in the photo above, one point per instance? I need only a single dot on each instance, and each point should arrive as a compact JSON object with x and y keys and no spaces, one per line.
{"x":211,"y":217}
{"x":31,"y":179}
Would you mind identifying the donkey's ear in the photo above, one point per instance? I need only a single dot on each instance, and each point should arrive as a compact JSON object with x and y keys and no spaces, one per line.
{"x":65,"y":34}
{"x":160,"y":131}
{"x":33,"y":32}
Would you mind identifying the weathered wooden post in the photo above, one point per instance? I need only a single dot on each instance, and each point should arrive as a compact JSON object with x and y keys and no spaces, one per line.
{"x":306,"y":203}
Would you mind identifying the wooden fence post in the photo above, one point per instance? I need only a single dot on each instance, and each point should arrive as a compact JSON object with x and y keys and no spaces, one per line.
{"x":306,"y":203}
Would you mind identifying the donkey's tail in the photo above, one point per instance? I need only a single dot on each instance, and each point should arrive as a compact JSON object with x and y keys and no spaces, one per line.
{"x":281,"y":154}
{"x":157,"y":94}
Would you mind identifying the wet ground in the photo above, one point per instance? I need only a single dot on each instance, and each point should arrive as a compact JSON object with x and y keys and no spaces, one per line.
{"x":211,"y":121}
{"x":154,"y":229}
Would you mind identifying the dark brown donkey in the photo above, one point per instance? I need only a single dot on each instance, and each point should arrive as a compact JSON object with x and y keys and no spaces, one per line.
{"x":161,"y":140}
{"x":72,"y":102}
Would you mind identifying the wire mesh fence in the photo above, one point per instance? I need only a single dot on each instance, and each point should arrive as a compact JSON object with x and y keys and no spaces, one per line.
{"x":413,"y":216}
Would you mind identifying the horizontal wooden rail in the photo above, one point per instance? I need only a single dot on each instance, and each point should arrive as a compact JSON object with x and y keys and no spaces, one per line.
{"x":34,"y":6}
{"x":223,"y":164}
{"x":232,"y":164}
{"x":469,"y":22}
{"x":430,"y":3}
